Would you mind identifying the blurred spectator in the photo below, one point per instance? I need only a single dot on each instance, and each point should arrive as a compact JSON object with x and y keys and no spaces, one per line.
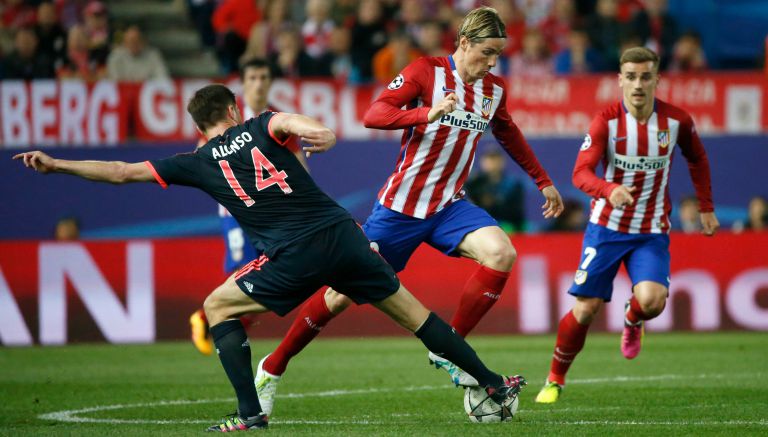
{"x":79,"y":63}
{"x":291,"y":61}
{"x":201,"y":14}
{"x":14,"y":14}
{"x":535,"y":59}
{"x":343,"y":12}
{"x":67,"y":229}
{"x":368,"y":36}
{"x":133,"y":61}
{"x":70,"y":12}
{"x":431,"y":39}
{"x":605,"y":31}
{"x":52,"y":40}
{"x":573,"y":218}
{"x":96,"y":26}
{"x":579,"y":57}
{"x":687,"y":54}
{"x":688,"y":215}
{"x":316,"y":30}
{"x":757,"y":216}
{"x":513,"y":16}
{"x":341,"y":67}
{"x":656,"y":29}
{"x":411,"y":17}
{"x":261,"y":41}
{"x":391,"y":59}
{"x":498,"y":193}
{"x":232,"y":21}
{"x":535,"y":11}
{"x":25,"y":61}
{"x":556,"y":27}
{"x":626,"y":9}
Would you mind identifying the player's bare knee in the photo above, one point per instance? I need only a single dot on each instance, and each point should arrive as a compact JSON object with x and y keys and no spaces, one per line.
{"x":654,"y":306}
{"x":586,"y":309}
{"x":336,"y":301}
{"x":499,"y":256}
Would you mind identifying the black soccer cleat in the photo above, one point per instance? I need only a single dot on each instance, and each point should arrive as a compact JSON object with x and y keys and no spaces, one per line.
{"x":510,"y":388}
{"x":234,"y":422}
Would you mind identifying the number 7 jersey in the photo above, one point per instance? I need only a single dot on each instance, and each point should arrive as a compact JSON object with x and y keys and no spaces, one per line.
{"x":258,"y":180}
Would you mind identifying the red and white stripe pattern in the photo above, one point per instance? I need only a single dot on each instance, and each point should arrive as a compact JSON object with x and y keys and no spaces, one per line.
{"x":630,"y":141}
{"x":435,"y":158}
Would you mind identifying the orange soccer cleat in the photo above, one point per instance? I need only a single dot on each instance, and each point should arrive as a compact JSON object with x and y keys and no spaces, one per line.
{"x":201,"y":335}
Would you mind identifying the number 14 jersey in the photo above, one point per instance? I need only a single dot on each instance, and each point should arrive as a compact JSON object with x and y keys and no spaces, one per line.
{"x":259,"y":181}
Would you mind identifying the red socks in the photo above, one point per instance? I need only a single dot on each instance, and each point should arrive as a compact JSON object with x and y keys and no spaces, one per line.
{"x":481,"y":291}
{"x":635,"y":313}
{"x":570,"y":340}
{"x":312,"y":317}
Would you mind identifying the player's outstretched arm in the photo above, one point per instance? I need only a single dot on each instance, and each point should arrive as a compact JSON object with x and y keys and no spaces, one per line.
{"x":115,"y":172}
{"x":319,"y":137}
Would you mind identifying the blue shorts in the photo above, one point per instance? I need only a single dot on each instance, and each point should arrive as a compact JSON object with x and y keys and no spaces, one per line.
{"x":238,"y":249}
{"x":646,"y":257}
{"x":398,"y":235}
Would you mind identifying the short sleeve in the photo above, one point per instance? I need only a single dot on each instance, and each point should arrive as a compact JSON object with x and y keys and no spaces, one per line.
{"x":181,"y":169}
{"x":260,"y":126}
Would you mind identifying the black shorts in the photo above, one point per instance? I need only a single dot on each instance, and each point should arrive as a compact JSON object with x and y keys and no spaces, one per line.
{"x":339,"y":256}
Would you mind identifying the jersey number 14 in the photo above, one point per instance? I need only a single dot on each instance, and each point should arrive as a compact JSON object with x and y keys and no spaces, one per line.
{"x":260,"y":164}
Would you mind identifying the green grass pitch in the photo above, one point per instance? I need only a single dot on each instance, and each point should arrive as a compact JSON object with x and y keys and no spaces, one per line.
{"x":681,"y":384}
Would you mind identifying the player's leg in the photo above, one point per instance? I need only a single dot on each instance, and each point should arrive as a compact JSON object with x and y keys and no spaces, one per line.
{"x":592,"y":286}
{"x":394,"y":238}
{"x":648,"y":267}
{"x":441,"y":339}
{"x":200,"y":332}
{"x":313,"y":315}
{"x":222,"y":308}
{"x":463,"y":229}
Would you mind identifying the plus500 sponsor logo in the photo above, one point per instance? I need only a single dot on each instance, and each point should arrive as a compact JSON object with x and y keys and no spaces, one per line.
{"x":640,"y":163}
{"x":464,"y":120}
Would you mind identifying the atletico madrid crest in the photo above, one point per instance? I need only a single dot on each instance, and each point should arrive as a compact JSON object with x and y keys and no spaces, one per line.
{"x":663,"y":138}
{"x":487,"y":103}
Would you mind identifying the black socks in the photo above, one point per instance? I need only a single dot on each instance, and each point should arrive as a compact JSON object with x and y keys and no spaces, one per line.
{"x":235,"y":354}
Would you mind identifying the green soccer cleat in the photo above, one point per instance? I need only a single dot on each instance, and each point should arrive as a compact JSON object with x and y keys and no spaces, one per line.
{"x":549,"y":394}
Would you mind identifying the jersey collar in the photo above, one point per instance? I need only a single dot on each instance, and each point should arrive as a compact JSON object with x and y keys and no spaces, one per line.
{"x":450,"y":61}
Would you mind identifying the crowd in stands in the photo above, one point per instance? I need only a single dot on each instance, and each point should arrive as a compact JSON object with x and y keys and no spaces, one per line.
{"x":352,"y":41}
{"x":371,"y":40}
{"x":71,"y":39}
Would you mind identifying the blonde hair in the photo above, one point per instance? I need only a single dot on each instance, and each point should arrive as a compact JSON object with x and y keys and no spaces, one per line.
{"x":638,"y":55}
{"x":480,"y":23}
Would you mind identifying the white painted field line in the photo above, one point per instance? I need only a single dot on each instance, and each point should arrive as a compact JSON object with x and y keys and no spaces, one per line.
{"x":74,"y":416}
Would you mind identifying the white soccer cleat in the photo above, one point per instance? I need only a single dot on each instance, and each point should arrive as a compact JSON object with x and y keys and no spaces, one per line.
{"x":458,"y":376}
{"x":266,"y":387}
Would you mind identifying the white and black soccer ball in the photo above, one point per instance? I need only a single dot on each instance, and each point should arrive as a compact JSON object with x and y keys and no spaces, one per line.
{"x":482,"y":409}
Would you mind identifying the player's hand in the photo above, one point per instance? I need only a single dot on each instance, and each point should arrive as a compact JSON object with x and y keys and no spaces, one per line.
{"x":445,"y":106}
{"x":319,"y":140}
{"x":553,"y":206}
{"x":37,"y":160}
{"x":621,"y":196}
{"x":709,"y":223}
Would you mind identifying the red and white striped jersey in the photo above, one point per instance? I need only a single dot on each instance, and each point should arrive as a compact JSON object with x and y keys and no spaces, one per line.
{"x":639,"y":155}
{"x":435,"y":158}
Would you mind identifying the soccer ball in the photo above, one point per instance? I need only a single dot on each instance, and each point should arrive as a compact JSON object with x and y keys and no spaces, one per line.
{"x":482,"y":409}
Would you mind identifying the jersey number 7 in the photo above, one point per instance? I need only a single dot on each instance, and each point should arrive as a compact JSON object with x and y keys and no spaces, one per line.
{"x":260,"y":163}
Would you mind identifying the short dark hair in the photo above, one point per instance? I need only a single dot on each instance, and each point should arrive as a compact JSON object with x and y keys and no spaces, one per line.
{"x":255,"y":63}
{"x":209,"y":105}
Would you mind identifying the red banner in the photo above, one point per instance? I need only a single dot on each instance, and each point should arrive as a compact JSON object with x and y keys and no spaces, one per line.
{"x":142,"y":291}
{"x":46,"y":113}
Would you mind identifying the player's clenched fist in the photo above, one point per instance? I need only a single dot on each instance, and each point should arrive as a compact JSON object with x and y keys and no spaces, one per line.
{"x":621,"y":196}
{"x":445,"y":106}
{"x":37,"y":160}
{"x":319,"y":140}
